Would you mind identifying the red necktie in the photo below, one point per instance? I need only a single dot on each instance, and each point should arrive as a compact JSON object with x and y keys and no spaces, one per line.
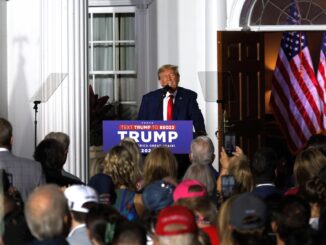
{"x":170,"y":108}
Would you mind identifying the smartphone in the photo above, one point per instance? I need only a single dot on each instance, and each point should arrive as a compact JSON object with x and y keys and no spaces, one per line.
{"x":228,"y":183}
{"x":229,"y":143}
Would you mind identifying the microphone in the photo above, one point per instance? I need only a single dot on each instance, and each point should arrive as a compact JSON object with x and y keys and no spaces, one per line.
{"x":166,"y":88}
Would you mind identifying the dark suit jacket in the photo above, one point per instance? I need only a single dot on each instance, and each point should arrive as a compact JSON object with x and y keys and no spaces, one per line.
{"x":26,"y":174}
{"x":185,"y":107}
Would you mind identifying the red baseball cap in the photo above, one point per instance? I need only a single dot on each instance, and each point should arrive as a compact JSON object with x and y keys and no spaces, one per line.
{"x":175,"y":220}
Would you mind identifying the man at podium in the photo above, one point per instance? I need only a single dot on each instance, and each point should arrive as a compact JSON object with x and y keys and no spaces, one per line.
{"x":172,"y":102}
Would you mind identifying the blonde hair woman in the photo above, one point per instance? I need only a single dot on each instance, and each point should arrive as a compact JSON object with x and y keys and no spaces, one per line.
{"x":119,"y":166}
{"x":223,"y":221}
{"x":159,"y":163}
{"x":133,"y":148}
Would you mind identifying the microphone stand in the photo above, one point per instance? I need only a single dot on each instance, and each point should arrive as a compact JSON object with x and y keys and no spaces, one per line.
{"x":36,"y":103}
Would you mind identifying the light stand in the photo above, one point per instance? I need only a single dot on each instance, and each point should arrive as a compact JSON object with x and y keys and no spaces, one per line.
{"x":36,"y":103}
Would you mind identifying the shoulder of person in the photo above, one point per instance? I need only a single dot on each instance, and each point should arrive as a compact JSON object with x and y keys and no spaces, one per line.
{"x":186,"y":91}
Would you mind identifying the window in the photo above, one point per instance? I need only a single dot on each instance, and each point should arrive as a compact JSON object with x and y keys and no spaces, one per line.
{"x":112,"y":57}
{"x":276,"y":12}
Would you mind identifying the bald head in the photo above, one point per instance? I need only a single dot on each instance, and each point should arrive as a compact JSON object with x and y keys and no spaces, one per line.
{"x":46,"y":212}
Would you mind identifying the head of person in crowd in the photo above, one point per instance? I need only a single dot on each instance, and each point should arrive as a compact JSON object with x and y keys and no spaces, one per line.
{"x":80,"y":198}
{"x":13,"y":225}
{"x":291,"y":221}
{"x":5,"y":134}
{"x":247,"y":219}
{"x":119,"y":166}
{"x":202,"y":150}
{"x":129,"y":233}
{"x":203,"y":174}
{"x":100,"y":222}
{"x":318,"y":141}
{"x":160,"y":163}
{"x":314,"y":192}
{"x":189,"y":188}
{"x":155,"y":197}
{"x":62,"y":138}
{"x":176,"y":225}
{"x":223,"y":222}
{"x":131,"y":145}
{"x":241,"y":172}
{"x":169,"y":75}
{"x":104,"y":186}
{"x":158,"y":195}
{"x":307,"y":165}
{"x":263,"y":165}
{"x":47,"y":213}
{"x":51,"y":154}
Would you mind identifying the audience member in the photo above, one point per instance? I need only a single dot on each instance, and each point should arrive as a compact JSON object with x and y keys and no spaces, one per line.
{"x":307,"y":165}
{"x":65,"y":141}
{"x":134,"y":150}
{"x":129,"y":233}
{"x":156,"y":196}
{"x":159,"y":163}
{"x":263,"y":170}
{"x":47,"y":215}
{"x":51,"y":154}
{"x":193,"y":195}
{"x":291,"y":222}
{"x":247,"y":219}
{"x":100,"y":222}
{"x":202,"y":152}
{"x":314,"y":192}
{"x":318,"y":141}
{"x":177,"y":225}
{"x":26,"y":174}
{"x":224,"y":221}
{"x":120,"y":167}
{"x":226,"y":161}
{"x":14,"y":228}
{"x":80,"y":199}
{"x":241,"y":172}
{"x":203,"y":174}
{"x":104,"y":186}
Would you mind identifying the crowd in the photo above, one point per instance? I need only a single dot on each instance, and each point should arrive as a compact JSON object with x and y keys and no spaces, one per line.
{"x":131,"y":199}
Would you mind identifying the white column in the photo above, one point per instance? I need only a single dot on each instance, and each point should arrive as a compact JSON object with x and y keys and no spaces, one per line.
{"x":64,"y":78}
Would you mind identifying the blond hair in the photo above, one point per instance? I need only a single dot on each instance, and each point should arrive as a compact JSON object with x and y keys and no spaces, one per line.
{"x":134,"y":150}
{"x":159,"y":163}
{"x":223,"y":221}
{"x":119,"y":166}
{"x":242,"y":174}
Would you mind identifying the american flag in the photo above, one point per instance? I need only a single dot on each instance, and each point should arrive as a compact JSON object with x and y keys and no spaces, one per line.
{"x":321,"y":78}
{"x":295,"y":99}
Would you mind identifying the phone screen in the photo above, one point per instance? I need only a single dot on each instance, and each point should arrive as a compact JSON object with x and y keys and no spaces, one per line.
{"x":229,"y":143}
{"x":228,"y":183}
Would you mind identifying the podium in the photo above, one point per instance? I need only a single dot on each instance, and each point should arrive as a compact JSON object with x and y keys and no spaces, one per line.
{"x":175,"y":135}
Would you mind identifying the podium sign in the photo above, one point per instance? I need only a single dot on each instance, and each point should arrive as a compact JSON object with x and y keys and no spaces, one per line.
{"x":175,"y":135}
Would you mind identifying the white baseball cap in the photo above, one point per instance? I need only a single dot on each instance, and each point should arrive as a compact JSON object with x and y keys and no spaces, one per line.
{"x":78,"y":195}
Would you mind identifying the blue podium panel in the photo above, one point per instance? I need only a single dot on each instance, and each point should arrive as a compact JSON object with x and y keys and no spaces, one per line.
{"x":175,"y":135}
